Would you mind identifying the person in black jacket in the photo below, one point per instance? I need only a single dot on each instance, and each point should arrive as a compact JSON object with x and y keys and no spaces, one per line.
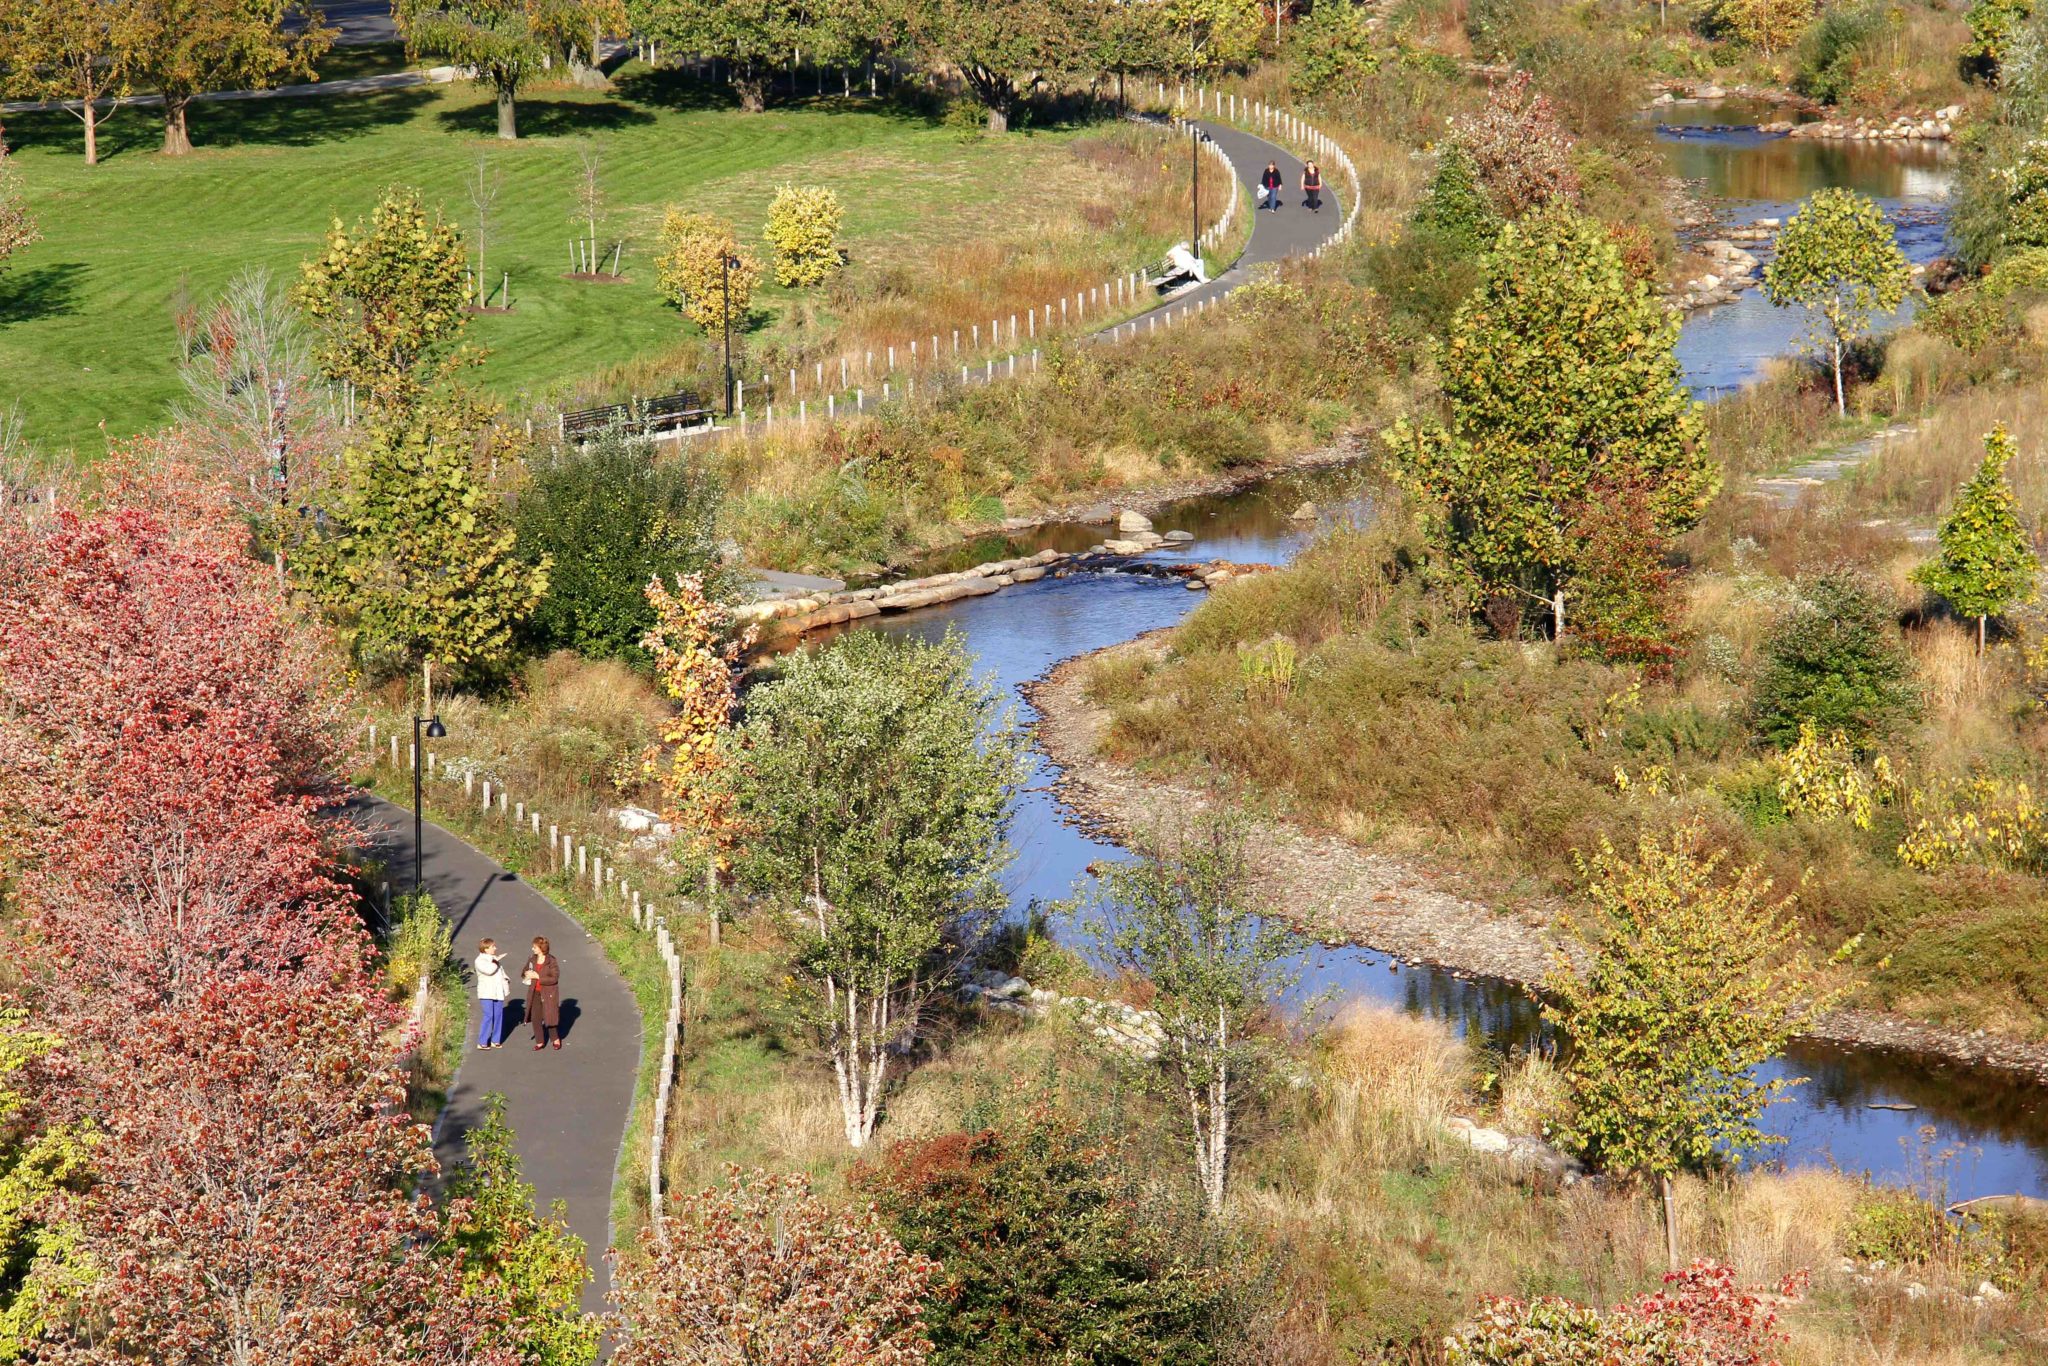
{"x":1272,"y":184}
{"x":1312,"y":186}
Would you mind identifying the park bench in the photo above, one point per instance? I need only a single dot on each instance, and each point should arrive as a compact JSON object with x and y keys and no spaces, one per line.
{"x":588,"y":422}
{"x":672,"y":413}
{"x":1180,"y":269}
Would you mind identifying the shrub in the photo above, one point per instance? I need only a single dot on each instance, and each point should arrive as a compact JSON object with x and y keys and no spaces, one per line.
{"x":420,"y":942}
{"x":1522,"y":156}
{"x":1837,"y":663}
{"x":1455,"y":206}
{"x":612,"y":516}
{"x":803,"y":225}
{"x":690,"y":269}
{"x":1048,"y":1249}
{"x":1828,"y":58}
{"x":1332,"y":51}
{"x":1700,"y":1318}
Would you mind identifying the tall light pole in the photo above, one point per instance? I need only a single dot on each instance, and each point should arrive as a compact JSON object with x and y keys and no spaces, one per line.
{"x":730,"y":263}
{"x":435,"y":731}
{"x":1195,"y":199}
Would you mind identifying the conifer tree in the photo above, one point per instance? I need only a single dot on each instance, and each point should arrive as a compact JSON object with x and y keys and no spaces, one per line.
{"x":1987,"y":564}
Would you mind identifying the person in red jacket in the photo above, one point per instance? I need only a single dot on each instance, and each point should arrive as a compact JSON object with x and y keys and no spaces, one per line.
{"x":1272,"y":184}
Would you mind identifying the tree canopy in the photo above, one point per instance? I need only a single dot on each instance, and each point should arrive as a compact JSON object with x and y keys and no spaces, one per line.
{"x":1987,"y":564}
{"x":1839,"y":259}
{"x":182,"y":48}
{"x":506,"y":41}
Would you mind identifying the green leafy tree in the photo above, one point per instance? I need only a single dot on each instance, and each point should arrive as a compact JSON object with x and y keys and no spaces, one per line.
{"x":606,"y":518}
{"x":1993,"y":26}
{"x":71,"y":50}
{"x":1003,"y":52}
{"x":390,"y":298}
{"x":877,"y":790}
{"x":1839,"y":259}
{"x":1672,"y":988}
{"x":1333,"y":50}
{"x":412,"y":556}
{"x":754,"y":38}
{"x":1835,"y":663}
{"x":183,"y":48}
{"x":1203,"y":36}
{"x":1455,"y":206}
{"x":1562,"y":387}
{"x":1987,"y":565}
{"x":1770,"y":26}
{"x":507,"y":42}
{"x":1049,"y":1246}
{"x":1186,"y":919}
{"x":509,"y":1248}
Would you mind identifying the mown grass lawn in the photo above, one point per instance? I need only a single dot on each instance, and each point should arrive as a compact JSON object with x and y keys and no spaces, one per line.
{"x":88,"y":332}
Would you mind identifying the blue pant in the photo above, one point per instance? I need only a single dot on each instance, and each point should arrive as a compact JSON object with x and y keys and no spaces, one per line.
{"x":493,"y":1026}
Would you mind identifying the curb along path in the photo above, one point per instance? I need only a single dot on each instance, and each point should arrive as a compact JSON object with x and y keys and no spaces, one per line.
{"x":568,"y":1109}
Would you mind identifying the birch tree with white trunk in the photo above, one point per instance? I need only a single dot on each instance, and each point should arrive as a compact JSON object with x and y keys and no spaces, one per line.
{"x":875,"y":801}
{"x":1186,"y":918}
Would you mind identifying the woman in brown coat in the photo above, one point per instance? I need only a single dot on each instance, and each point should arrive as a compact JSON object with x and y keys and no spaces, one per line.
{"x":543,"y":977}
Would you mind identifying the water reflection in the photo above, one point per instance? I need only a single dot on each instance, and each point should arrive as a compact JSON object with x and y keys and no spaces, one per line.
{"x":1764,"y":175}
{"x":1018,"y":635}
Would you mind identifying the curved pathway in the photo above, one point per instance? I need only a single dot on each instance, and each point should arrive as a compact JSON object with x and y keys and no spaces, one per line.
{"x":1292,"y":231}
{"x":569,"y":1108}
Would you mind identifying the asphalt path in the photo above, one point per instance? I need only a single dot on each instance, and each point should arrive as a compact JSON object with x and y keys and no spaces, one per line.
{"x":568,"y":1108}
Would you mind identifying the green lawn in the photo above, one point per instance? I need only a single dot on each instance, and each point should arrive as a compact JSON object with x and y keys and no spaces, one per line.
{"x":88,"y":339}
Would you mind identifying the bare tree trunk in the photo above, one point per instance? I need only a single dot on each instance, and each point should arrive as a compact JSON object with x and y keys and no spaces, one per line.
{"x":427,"y":686}
{"x":92,"y":132}
{"x":1981,"y":618}
{"x":752,"y":90}
{"x":177,"y":136}
{"x":508,"y":118}
{"x":1557,"y":613}
{"x":1841,"y":406}
{"x":998,"y":120}
{"x":1670,"y":1222}
{"x":711,"y":896}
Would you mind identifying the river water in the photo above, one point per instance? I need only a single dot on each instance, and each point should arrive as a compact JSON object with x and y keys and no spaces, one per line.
{"x":1995,"y":1124}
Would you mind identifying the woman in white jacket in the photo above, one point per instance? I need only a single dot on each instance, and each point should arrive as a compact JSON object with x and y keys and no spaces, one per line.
{"x":493,"y":986}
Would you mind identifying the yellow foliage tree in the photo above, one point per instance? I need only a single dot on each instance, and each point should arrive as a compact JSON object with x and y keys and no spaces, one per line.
{"x":803,"y":224}
{"x":692,"y":272}
{"x":694,"y":654}
{"x":1770,"y":26}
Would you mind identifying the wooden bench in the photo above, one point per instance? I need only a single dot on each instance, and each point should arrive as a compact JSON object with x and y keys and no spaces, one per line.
{"x":589,"y":422}
{"x":673,"y":412}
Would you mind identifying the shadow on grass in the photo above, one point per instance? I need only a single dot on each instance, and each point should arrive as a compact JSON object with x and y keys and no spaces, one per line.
{"x":547,"y":118}
{"x":284,"y":121}
{"x":680,"y":92}
{"x":44,"y":292}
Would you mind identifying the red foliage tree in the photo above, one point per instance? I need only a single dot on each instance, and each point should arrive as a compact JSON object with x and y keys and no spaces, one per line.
{"x":1521,"y":152}
{"x":255,"y":1200}
{"x":762,"y":1271}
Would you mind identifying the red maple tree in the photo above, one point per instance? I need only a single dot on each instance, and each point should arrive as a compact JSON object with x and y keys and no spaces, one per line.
{"x":256,"y":1199}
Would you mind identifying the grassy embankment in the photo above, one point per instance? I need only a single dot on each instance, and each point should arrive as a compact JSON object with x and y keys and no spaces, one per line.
{"x":940,"y":228}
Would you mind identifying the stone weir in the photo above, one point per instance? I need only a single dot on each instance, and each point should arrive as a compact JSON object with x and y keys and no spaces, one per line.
{"x":790,"y":616}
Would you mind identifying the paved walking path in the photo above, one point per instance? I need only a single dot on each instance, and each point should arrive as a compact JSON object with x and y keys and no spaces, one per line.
{"x":568,"y":1108}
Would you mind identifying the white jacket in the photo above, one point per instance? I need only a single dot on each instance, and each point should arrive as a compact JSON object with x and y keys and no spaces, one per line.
{"x":492,"y":981}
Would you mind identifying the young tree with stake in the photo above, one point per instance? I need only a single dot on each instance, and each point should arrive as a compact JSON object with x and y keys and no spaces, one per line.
{"x":1987,"y":565}
{"x":1185,"y":919}
{"x":1673,"y":988}
{"x":876,"y":796}
{"x":1840,"y":260}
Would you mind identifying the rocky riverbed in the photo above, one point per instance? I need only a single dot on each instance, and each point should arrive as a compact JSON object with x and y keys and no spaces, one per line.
{"x":1337,"y":892}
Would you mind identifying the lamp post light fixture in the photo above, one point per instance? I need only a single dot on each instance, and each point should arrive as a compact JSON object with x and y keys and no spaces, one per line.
{"x":434,"y":731}
{"x":730,"y":264}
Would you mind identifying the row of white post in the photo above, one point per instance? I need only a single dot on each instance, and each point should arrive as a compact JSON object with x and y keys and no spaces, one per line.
{"x":599,"y":869}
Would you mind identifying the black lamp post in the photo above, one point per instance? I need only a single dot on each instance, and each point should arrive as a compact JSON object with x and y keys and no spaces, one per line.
{"x":1195,"y":199}
{"x":730,"y":263}
{"x":435,"y":731}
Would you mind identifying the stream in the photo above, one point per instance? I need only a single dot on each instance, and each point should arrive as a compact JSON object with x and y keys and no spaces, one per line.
{"x":1992,"y":1126}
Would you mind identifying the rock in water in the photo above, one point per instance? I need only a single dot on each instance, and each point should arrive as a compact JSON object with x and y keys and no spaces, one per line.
{"x":1305,"y":513}
{"x":1128,"y":522}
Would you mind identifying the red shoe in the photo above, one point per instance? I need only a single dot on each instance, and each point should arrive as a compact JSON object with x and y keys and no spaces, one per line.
{"x":558,"y":1043}
{"x":538,"y":1046}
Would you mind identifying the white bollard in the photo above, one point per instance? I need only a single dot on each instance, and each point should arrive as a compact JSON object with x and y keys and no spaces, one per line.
{"x":487,"y":796}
